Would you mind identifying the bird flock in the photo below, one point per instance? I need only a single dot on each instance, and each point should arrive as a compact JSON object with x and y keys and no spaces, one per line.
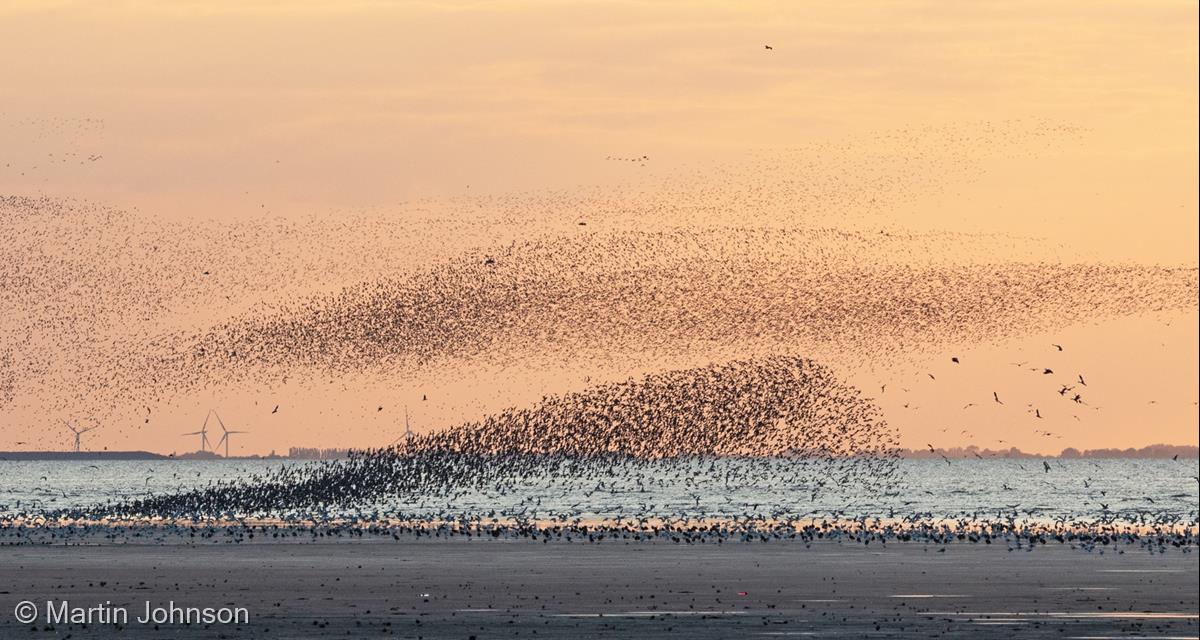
{"x":747,"y":292}
{"x":787,"y":408}
{"x":772,"y":422}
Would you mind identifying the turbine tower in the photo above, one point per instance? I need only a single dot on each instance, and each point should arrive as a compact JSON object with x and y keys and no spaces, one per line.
{"x":408,"y":433}
{"x":78,"y":432}
{"x":225,"y":434}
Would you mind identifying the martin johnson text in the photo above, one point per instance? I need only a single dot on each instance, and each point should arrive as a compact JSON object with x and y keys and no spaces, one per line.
{"x":66,"y":612}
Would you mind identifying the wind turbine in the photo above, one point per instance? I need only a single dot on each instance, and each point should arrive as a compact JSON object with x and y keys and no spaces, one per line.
{"x":226,"y":433}
{"x":203,"y":433}
{"x":77,"y":432}
{"x":408,"y":432}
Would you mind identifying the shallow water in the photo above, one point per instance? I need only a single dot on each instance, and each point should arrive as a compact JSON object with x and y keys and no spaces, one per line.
{"x":1072,"y":489}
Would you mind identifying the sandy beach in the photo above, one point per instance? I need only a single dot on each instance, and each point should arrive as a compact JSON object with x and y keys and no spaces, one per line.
{"x":483,"y":589}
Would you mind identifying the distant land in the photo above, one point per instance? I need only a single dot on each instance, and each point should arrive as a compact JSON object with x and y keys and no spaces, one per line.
{"x":1154,"y":451}
{"x":295,"y":453}
{"x":79,"y":455}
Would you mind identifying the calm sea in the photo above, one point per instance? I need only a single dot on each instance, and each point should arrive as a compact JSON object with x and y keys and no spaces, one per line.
{"x":1072,"y":489}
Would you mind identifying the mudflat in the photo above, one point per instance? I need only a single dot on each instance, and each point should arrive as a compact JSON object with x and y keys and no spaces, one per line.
{"x":519,"y":589}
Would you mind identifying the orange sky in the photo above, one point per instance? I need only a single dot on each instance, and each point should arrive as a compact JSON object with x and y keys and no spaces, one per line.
{"x":214,"y":112}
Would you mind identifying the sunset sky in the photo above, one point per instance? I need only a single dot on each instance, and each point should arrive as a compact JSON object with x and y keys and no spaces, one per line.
{"x":195,"y":113}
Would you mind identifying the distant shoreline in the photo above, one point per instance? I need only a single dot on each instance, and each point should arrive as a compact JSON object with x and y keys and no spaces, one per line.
{"x":80,"y":455}
{"x":1151,"y":452}
{"x":121,"y":455}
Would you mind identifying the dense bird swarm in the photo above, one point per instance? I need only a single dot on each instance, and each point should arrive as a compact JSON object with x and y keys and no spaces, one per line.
{"x":779,"y":408}
{"x":785,"y":270}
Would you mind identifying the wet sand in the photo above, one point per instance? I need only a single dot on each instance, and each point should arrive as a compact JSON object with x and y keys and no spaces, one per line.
{"x":516,"y":589}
